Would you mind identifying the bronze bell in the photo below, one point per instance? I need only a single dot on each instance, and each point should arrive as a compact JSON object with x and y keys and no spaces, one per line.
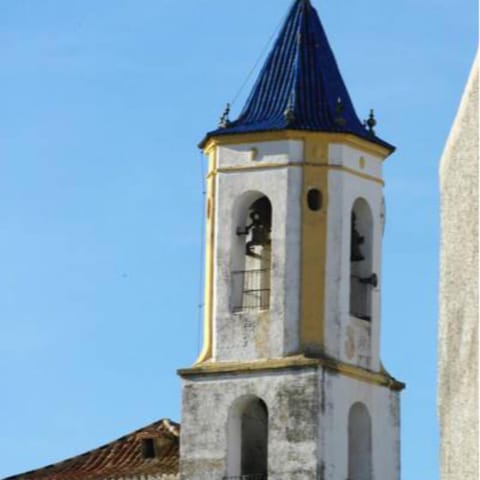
{"x":356,"y":254}
{"x":259,"y":227}
{"x":259,"y":233}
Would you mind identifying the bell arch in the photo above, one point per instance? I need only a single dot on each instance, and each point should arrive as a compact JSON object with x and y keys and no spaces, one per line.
{"x":247,"y":438}
{"x":359,"y":443}
{"x":362,"y":278}
{"x":251,"y":253}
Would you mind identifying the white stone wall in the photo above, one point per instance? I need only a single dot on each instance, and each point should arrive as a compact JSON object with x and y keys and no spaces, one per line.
{"x":308,"y":424}
{"x":252,"y":335}
{"x":349,"y":339}
{"x":340,"y":394}
{"x":308,"y":406}
{"x":248,"y":336}
{"x":458,"y":327}
{"x":292,"y":401}
{"x":280,"y":152}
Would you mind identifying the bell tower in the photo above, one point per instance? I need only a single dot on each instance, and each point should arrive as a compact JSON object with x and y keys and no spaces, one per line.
{"x":289,"y":384}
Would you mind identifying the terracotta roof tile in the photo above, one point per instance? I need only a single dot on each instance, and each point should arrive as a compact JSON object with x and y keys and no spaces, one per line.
{"x":119,"y":459}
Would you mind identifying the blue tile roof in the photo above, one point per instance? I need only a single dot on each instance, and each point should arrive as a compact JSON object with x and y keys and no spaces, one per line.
{"x":300,"y":86}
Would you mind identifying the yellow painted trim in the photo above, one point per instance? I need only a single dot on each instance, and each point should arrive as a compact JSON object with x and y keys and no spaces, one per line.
{"x":273,"y":166}
{"x":314,"y":247}
{"x":207,"y":350}
{"x":296,"y":362}
{"x":343,"y":138}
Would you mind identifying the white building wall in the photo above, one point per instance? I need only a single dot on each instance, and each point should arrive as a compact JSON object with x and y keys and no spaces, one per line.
{"x":255,"y":168}
{"x":308,"y":423}
{"x":347,"y":338}
{"x":292,"y":400}
{"x":281,"y":152}
{"x":458,"y":323}
{"x":308,"y":407}
{"x":340,"y":393}
{"x":252,"y":335}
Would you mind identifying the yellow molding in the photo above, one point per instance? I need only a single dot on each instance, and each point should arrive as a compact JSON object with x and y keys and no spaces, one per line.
{"x":207,"y":350}
{"x":276,"y":166}
{"x":314,"y":247}
{"x":209,"y":149}
{"x":255,"y":166}
{"x":296,"y":362}
{"x":343,"y":138}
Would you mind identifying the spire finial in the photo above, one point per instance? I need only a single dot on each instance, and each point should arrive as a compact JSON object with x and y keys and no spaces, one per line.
{"x":371,"y":123}
{"x":224,"y":120}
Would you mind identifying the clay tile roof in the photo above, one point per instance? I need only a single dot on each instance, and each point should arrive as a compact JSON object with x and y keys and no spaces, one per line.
{"x":119,"y":459}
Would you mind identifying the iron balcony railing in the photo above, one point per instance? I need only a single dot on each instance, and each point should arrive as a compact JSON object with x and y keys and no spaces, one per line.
{"x":255,"y":476}
{"x":255,"y":292}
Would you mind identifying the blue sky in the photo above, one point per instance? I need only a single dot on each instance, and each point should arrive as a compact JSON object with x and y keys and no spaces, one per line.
{"x":103,"y":103}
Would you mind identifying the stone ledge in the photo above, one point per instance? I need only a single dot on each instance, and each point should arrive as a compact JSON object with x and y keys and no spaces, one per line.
{"x":382,"y":378}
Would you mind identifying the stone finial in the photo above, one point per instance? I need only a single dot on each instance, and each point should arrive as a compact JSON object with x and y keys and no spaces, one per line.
{"x":371,"y":123}
{"x":224,"y":120}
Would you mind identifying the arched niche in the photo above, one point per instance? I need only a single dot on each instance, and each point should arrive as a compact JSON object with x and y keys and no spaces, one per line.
{"x":359,"y":443}
{"x":362,"y":278}
{"x":251,"y":253}
{"x":247,"y":438}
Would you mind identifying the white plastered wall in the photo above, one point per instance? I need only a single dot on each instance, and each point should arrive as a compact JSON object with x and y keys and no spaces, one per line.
{"x":340,"y":394}
{"x":252,"y":335}
{"x":308,"y":413}
{"x":292,"y":401}
{"x":458,"y":352}
{"x":346,"y":336}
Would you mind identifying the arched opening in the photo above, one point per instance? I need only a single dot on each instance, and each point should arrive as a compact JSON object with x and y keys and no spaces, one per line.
{"x":252,"y":253}
{"x":359,"y":443}
{"x":362,"y":279}
{"x":247,"y":455}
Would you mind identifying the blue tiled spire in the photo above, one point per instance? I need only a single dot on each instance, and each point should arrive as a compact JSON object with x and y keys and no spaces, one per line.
{"x":300,"y":86}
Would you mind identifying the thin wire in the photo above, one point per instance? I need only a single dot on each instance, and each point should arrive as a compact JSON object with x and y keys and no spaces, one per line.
{"x":200,"y":304}
{"x":260,"y":58}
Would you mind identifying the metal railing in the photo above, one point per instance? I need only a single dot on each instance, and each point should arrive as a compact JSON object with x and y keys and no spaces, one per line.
{"x":255,"y":476}
{"x":255,"y":292}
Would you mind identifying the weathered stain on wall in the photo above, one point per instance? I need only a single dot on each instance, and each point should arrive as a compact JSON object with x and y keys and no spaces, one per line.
{"x":308,"y":417}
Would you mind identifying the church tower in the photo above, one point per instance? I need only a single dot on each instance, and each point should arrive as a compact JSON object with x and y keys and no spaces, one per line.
{"x":289,"y":385}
